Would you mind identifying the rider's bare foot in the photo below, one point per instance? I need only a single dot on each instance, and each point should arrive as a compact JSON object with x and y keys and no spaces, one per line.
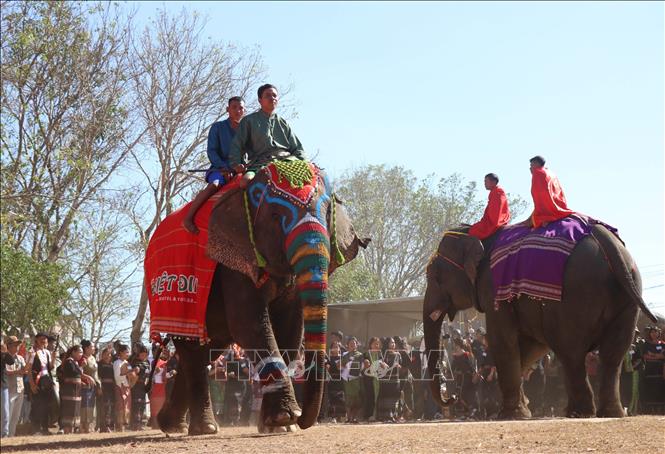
{"x":189,"y":225}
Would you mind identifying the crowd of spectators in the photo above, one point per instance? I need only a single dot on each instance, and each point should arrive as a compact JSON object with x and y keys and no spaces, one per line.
{"x":45,"y":390}
{"x":383,"y":382}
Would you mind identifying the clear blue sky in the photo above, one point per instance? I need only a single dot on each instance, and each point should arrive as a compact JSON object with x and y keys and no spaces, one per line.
{"x":478,"y":87}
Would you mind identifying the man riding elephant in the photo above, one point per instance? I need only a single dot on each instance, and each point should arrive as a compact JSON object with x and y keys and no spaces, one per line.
{"x":570,"y":295}
{"x":549,"y":201}
{"x":262,"y":136}
{"x":497,"y":213}
{"x":271,"y":243}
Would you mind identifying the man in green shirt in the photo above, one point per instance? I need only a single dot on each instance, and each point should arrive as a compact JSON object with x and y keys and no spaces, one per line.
{"x":263,"y":136}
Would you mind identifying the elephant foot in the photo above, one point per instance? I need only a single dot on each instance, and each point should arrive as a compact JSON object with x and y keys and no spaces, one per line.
{"x":514,"y":413}
{"x":279,"y":409}
{"x":580,"y":411}
{"x":278,"y":429}
{"x":611,"y":411}
{"x":282,"y":418}
{"x":202,"y":420}
{"x":170,"y":421}
{"x":577,"y":414}
{"x":202,"y":429}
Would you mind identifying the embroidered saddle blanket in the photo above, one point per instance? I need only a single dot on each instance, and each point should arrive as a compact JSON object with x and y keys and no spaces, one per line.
{"x":526,"y":261}
{"x":178,"y":273}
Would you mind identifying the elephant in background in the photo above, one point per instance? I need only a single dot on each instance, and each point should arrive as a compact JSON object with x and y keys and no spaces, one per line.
{"x":270,"y":286}
{"x":599,"y":308}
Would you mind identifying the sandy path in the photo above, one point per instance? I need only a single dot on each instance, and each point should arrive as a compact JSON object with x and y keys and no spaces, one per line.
{"x":643,"y":434}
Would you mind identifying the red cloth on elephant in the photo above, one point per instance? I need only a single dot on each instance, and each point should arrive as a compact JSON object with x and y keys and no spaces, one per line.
{"x":496,"y":214}
{"x":549,"y":202}
{"x":178,"y":273}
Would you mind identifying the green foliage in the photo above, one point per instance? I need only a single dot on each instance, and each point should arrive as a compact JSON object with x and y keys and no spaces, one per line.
{"x":353,"y":282}
{"x":405,"y":217}
{"x":64,"y":112}
{"x":31,"y":292}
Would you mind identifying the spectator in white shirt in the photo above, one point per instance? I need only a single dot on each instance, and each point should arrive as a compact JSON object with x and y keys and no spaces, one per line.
{"x":122,"y":389}
{"x":15,"y":375}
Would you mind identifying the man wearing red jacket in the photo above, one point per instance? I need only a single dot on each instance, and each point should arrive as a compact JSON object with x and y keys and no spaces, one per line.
{"x":496,"y":213}
{"x":549,"y":202}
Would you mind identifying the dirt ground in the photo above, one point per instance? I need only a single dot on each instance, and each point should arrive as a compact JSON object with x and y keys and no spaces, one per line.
{"x":642,"y":434}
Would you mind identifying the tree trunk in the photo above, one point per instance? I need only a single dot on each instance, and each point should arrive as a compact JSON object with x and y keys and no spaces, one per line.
{"x":137,"y":323}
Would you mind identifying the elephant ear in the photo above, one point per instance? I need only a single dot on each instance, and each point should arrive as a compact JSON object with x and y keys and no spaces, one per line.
{"x":228,"y":236}
{"x":464,"y":250}
{"x":473,"y":254}
{"x":348,"y":242}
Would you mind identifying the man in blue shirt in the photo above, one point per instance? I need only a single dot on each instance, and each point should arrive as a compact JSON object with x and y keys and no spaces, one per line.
{"x":219,"y":144}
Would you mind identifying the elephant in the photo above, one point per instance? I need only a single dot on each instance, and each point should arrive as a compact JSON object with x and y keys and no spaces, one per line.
{"x":274,"y":253}
{"x":601,"y":299}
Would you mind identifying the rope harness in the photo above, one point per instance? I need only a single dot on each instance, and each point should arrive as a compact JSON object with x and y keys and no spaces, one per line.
{"x":259,"y":258}
{"x":448,"y":259}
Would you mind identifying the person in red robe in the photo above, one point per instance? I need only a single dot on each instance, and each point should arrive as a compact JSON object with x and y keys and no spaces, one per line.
{"x":549,"y":202}
{"x":496,"y":213}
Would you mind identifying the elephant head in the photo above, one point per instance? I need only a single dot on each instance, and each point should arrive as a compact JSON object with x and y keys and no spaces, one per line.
{"x":302,"y":233}
{"x":451,"y":286}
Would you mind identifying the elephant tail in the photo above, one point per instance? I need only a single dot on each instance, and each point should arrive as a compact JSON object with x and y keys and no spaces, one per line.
{"x":623,"y":267}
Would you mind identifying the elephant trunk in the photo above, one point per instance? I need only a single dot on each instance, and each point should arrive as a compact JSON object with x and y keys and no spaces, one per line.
{"x":432,"y":330}
{"x":432,"y":321}
{"x":308,"y":252}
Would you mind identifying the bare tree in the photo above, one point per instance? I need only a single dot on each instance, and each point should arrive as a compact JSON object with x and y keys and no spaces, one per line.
{"x":181,"y":84}
{"x":104,"y":270}
{"x":67,"y":123}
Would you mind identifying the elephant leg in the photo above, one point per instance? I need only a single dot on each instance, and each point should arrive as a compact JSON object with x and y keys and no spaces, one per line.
{"x":613,"y":346}
{"x":580,"y":396}
{"x":194,"y":358}
{"x":531,"y":351}
{"x":279,"y":406}
{"x":286,"y":318}
{"x":504,"y":343}
{"x":172,"y":417}
{"x":250,"y":326}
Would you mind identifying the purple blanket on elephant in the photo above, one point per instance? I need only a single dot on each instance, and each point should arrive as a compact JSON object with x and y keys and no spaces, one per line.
{"x":526,"y":261}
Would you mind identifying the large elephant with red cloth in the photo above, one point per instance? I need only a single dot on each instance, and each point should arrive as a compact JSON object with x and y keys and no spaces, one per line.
{"x":599,"y":306}
{"x":276,"y":242}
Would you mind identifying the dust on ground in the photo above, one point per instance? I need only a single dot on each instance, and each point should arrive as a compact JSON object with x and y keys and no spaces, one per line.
{"x":641,"y":434}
